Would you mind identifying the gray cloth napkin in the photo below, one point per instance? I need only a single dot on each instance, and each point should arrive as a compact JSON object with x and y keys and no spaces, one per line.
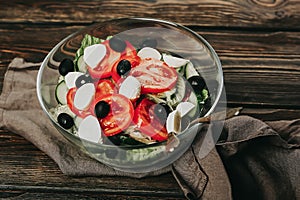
{"x":260,"y":158}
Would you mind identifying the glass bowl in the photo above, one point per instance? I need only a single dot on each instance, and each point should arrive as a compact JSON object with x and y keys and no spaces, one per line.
{"x":170,"y":37}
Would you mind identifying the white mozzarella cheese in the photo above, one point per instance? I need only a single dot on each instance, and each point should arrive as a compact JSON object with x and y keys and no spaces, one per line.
{"x":94,"y":54}
{"x":71,"y":77}
{"x":174,"y":61}
{"x":84,"y":95}
{"x":184,"y":108}
{"x":173,"y":122}
{"x":148,"y":52}
{"x":130,"y":88}
{"x":89,"y":129}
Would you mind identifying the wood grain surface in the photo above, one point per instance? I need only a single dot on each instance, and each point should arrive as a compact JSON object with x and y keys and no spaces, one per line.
{"x":222,"y":13}
{"x":31,"y":171}
{"x":258,"y":42}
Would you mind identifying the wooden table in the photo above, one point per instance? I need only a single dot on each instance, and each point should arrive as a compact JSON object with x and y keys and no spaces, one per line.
{"x":258,"y":42}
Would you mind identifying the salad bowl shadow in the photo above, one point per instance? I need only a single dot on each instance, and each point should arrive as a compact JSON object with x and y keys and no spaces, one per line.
{"x":169,"y":38}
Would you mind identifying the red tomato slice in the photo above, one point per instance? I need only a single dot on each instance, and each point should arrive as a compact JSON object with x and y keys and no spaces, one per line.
{"x":145,"y":119}
{"x":70,"y":103}
{"x":129,"y":51}
{"x":155,"y":76}
{"x":103,"y":70}
{"x":129,"y":54}
{"x":120,"y":115}
{"x":134,"y":61}
{"x":103,"y":87}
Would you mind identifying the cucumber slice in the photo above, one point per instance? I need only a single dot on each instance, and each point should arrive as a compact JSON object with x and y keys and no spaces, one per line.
{"x":61,"y":91}
{"x":181,"y":70}
{"x":193,"y":99}
{"x":81,"y":65}
{"x":167,"y":93}
{"x":190,"y":70}
{"x":177,"y":97}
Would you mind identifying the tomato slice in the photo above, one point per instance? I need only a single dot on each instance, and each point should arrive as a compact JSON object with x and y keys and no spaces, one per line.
{"x":70,"y":103}
{"x":129,"y":51}
{"x":120,"y":114}
{"x":146,"y":121}
{"x":134,"y":61}
{"x":103,"y":69}
{"x":129,"y":54}
{"x":155,"y":76}
{"x":103,"y":87}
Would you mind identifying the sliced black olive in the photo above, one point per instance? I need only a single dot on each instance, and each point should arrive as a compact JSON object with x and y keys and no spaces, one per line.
{"x":162,"y":110}
{"x":149,"y":42}
{"x":65,"y":120}
{"x":66,"y":66}
{"x":83,"y":79}
{"x":102,"y":109}
{"x":197,"y":83}
{"x":117,"y":44}
{"x":123,"y":67}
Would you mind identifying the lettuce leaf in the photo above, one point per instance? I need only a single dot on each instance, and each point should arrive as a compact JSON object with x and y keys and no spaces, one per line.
{"x":202,"y":97}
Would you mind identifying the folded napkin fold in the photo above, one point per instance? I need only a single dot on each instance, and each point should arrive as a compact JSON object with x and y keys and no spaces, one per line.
{"x":261,"y":159}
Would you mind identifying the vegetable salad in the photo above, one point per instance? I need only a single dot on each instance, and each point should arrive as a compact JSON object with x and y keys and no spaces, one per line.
{"x":113,"y":92}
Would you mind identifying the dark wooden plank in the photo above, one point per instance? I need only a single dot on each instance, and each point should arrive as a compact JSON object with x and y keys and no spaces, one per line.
{"x":75,"y":195}
{"x":26,"y":169}
{"x":263,"y":82}
{"x":281,"y":14}
{"x":271,"y":114}
{"x":235,"y":43}
{"x":260,"y":68}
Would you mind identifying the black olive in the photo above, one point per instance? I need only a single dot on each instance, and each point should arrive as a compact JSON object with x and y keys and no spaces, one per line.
{"x":149,"y":42}
{"x":130,"y":141}
{"x":123,"y":67}
{"x":117,"y":44}
{"x":66,"y":66}
{"x":162,"y":110}
{"x":197,"y":83}
{"x":65,"y":120}
{"x":102,"y":109}
{"x":83,"y":79}
{"x":115,"y":139}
